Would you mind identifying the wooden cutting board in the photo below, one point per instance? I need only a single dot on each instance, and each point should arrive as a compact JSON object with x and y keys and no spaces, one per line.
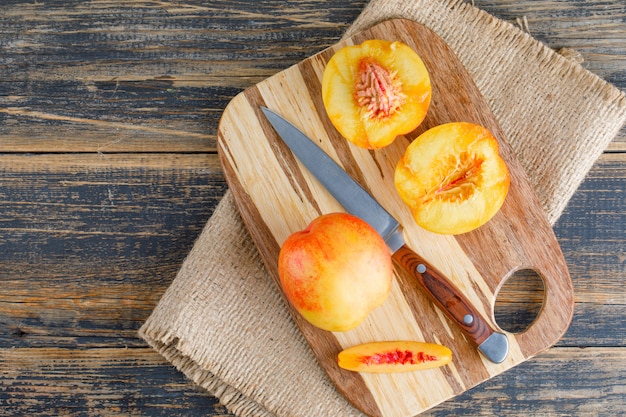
{"x":277,"y":196}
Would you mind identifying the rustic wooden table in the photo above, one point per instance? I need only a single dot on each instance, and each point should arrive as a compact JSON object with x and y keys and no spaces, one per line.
{"x":108,"y":172}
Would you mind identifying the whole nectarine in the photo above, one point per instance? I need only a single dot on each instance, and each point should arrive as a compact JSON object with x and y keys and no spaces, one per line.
{"x":336,"y":271}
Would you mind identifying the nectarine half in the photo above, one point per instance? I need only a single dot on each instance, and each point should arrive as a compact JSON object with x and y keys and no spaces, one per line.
{"x":375,"y":91}
{"x":453,"y":178}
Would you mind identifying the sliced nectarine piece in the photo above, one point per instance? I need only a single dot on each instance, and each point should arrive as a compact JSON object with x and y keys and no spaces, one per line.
{"x":394,"y":356}
{"x":375,"y":91}
{"x":453,"y":178}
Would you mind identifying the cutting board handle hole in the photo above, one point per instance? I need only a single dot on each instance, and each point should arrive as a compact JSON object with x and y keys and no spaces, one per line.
{"x":519,"y":301}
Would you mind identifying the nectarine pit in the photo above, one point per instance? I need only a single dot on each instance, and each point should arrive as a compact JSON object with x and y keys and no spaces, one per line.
{"x":462,"y":180}
{"x":397,"y":357}
{"x":378,"y":90}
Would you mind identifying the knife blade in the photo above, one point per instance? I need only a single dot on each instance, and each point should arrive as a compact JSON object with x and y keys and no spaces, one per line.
{"x":356,"y":200}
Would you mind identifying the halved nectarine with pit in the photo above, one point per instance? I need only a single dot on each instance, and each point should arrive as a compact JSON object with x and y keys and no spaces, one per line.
{"x":394,"y":356}
{"x":453,"y":178}
{"x":375,"y":91}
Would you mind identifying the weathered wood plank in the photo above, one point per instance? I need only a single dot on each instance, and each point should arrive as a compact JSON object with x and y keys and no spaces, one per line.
{"x":88,"y":246}
{"x":148,"y":76}
{"x":121,"y":381}
{"x":111,"y":116}
{"x":581,"y":382}
{"x":97,"y":382}
{"x":89,"y":242}
{"x":592,"y":230}
{"x":157,"y":76}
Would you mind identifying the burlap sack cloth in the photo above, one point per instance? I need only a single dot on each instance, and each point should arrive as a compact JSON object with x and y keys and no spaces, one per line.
{"x":223,"y":323}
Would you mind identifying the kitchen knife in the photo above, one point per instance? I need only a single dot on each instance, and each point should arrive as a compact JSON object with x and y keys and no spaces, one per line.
{"x":492,"y":344}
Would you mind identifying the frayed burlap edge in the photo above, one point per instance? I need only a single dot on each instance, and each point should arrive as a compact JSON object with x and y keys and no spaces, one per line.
{"x":230,"y":397}
{"x":223,"y":323}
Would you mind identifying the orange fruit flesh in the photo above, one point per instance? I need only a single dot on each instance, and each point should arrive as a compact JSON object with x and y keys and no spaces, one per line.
{"x":453,"y":178}
{"x":375,"y":91}
{"x":394,"y":356}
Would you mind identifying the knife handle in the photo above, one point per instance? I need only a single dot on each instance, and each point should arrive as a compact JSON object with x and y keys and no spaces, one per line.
{"x":453,"y":303}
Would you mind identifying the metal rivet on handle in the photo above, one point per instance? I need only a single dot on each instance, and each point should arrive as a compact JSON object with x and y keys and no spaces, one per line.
{"x":421,"y":268}
{"x":468,"y":319}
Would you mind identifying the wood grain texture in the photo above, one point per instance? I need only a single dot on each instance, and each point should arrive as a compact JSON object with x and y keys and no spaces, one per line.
{"x":150,"y":75}
{"x":96,"y":382}
{"x":277,"y":198}
{"x":97,"y":95}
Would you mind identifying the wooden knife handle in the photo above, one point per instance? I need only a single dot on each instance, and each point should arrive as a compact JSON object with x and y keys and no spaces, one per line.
{"x":445,"y":294}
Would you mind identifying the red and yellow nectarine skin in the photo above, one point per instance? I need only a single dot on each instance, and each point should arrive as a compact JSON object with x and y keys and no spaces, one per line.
{"x":375,"y":91}
{"x":394,"y":356}
{"x":453,"y":178}
{"x":336,"y":271}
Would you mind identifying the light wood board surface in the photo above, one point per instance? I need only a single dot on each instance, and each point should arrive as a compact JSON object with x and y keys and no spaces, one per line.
{"x":277,"y":197}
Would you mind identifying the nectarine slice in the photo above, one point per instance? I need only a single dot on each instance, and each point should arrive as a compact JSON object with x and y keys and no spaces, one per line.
{"x":394,"y":356}
{"x":453,"y":178}
{"x":375,"y":91}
